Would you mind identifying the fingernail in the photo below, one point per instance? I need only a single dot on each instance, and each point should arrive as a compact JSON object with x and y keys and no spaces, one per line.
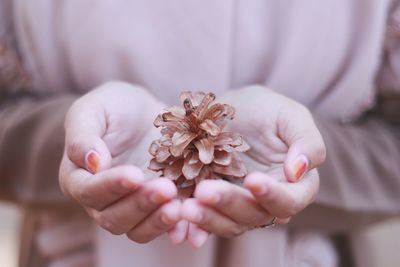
{"x":212,"y":198}
{"x":300,"y":167}
{"x":199,"y":239}
{"x":166,"y":220}
{"x":257,"y":189}
{"x":92,"y":161}
{"x":128,"y":184}
{"x":216,"y":198}
{"x":158,"y":198}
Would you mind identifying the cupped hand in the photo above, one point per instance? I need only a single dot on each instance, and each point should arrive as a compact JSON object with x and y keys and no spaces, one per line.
{"x":108,"y":132}
{"x":286,"y":147}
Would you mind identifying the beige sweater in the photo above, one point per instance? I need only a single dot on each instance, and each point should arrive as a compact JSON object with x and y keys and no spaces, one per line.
{"x":333,"y":56}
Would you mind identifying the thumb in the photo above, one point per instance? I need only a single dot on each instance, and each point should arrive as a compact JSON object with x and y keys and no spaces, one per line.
{"x":306,"y":146}
{"x":85,"y":125}
{"x":89,"y":152}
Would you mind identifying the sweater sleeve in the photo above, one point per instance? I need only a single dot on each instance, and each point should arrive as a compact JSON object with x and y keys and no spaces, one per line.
{"x":31,"y":145}
{"x":360,"y":180}
{"x":31,"y":126}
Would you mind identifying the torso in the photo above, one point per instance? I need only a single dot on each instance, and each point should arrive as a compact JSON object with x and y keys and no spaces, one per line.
{"x":317,"y":52}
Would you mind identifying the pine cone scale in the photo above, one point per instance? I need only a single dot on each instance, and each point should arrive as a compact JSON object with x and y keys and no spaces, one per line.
{"x":191,"y":168}
{"x":205,"y":149}
{"x":174,"y":171}
{"x":222,"y":158}
{"x":193,"y":146}
{"x":180,"y":142}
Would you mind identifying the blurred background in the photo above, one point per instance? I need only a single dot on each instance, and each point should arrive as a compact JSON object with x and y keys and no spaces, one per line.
{"x":10,"y":218}
{"x":381,"y":241}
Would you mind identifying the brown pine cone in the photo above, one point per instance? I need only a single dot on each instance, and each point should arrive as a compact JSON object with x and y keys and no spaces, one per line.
{"x":193,"y":146}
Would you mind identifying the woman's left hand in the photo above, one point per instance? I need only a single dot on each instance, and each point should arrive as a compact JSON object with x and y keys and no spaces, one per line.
{"x":286,"y":147}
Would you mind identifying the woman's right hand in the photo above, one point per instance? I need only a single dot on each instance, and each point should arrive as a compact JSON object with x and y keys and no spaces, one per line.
{"x":108,"y":132}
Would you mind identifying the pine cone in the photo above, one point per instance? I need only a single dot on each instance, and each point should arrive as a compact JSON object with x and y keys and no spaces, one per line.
{"x":193,"y":146}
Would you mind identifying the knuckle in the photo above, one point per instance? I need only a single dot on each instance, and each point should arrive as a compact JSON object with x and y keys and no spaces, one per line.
{"x":143,"y":206}
{"x":116,"y":189}
{"x":108,"y":224}
{"x":73,"y":148}
{"x":227,"y":199}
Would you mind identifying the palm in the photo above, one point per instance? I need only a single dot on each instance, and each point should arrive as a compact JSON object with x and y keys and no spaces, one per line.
{"x":128,"y":125}
{"x":257,"y":121}
{"x":126,"y":138}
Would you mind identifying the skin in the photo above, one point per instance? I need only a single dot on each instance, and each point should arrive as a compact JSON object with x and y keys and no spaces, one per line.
{"x":281,"y":134}
{"x":286,"y":149}
{"x":105,"y":153}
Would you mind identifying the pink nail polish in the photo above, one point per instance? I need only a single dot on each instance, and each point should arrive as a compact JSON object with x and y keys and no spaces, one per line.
{"x":128,"y":184}
{"x":300,"y":167}
{"x":257,"y":189}
{"x":92,"y":161}
{"x":158,"y":198}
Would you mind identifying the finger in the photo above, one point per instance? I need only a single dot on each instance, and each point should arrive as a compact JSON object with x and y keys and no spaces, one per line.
{"x":127,"y":213}
{"x":306,"y":146}
{"x":85,"y":124}
{"x":197,"y":236}
{"x":179,"y":232}
{"x":233,"y":201}
{"x":102,"y":189}
{"x":89,"y":152}
{"x":209,"y":219}
{"x":158,"y":223}
{"x":283,"y":220}
{"x":282,"y":199}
